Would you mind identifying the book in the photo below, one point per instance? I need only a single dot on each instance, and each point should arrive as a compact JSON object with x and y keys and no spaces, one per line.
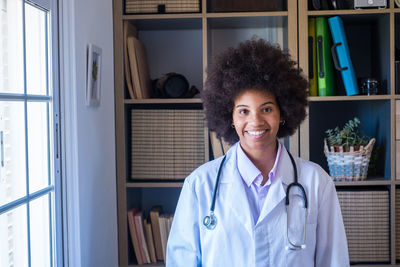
{"x":150,"y":240}
{"x":134,"y":67}
{"x":163,"y":223}
{"x":312,"y":58}
{"x":169,"y":223}
{"x":134,"y":235}
{"x":129,"y":31}
{"x":326,"y":82}
{"x":155,"y":226}
{"x":143,"y":69}
{"x":397,"y":76}
{"x":343,"y":61}
{"x":141,"y":237}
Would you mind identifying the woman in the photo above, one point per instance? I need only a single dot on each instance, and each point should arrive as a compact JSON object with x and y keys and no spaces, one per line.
{"x":253,"y":95}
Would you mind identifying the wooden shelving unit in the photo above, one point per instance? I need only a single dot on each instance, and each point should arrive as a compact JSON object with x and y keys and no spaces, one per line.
{"x":192,"y":39}
{"x":380,"y":108}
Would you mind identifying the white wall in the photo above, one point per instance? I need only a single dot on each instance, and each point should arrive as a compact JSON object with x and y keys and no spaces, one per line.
{"x":95,"y":136}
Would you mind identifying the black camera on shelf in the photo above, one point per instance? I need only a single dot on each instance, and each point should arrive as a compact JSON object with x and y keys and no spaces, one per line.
{"x":173,"y":85}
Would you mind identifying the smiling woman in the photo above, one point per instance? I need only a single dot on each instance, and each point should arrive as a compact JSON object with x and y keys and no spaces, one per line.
{"x":253,"y":95}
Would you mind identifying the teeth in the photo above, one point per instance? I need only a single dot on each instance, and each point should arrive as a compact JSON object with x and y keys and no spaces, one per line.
{"x":256,"y":132}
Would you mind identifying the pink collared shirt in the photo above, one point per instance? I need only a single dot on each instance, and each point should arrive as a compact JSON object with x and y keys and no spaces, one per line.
{"x":252,"y":179}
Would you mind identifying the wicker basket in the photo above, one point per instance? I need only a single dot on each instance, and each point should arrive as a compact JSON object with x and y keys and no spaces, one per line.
{"x":349,"y":166}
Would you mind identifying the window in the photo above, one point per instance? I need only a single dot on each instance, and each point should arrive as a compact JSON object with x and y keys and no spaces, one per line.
{"x":29,"y":195}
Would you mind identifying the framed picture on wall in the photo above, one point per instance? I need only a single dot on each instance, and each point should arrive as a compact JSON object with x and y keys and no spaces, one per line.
{"x":93,"y":75}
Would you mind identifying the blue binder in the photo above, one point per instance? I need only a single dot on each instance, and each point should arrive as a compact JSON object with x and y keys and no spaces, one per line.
{"x":341,"y":55}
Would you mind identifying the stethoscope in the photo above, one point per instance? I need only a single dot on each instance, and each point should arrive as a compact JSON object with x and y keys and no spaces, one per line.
{"x":210,"y":221}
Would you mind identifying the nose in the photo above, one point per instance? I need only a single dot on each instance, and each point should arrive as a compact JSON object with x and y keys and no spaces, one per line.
{"x":255,"y":119}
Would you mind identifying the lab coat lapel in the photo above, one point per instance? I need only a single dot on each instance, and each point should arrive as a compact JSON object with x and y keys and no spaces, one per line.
{"x":236,"y":197}
{"x":275,"y":195}
{"x":277,"y":192}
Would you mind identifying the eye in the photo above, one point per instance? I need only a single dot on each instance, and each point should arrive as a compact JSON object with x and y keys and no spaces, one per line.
{"x":268,"y":109}
{"x":243,"y":111}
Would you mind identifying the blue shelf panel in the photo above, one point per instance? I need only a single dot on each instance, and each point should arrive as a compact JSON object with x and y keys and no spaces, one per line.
{"x":375,"y":122}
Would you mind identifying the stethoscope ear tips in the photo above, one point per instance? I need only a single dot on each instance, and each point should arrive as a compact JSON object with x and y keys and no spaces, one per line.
{"x":210,"y":221}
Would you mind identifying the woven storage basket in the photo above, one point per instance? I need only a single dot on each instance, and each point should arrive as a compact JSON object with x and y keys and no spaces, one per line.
{"x":349,"y":166}
{"x":366,"y":218}
{"x":397,"y":227}
{"x":162,"y":6}
{"x":167,"y":144}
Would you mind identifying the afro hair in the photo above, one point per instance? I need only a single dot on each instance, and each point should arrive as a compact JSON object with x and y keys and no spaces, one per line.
{"x":254,"y":64}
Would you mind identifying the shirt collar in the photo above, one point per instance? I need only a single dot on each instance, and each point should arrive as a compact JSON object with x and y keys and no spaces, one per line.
{"x":248,"y":171}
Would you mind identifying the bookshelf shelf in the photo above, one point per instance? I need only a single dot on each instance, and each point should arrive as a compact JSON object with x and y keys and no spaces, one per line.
{"x":153,"y":184}
{"x":162,"y":16}
{"x":367,"y":182}
{"x":158,"y":264}
{"x":347,"y":12}
{"x":247,"y":14}
{"x":348,"y":98}
{"x":163,"y":101}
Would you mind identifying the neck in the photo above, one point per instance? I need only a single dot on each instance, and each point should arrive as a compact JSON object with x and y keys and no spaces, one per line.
{"x":264,"y":159}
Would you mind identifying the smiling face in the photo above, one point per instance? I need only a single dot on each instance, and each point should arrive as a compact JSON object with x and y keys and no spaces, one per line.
{"x":256,"y":117}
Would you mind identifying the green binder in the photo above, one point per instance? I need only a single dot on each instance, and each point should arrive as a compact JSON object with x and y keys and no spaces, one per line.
{"x":326,"y":82}
{"x":312,"y":58}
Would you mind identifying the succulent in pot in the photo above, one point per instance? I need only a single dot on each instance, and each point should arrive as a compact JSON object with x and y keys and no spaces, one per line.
{"x":346,"y":137}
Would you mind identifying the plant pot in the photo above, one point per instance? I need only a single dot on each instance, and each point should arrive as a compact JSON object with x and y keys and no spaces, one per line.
{"x":345,"y":148}
{"x":351,"y":165}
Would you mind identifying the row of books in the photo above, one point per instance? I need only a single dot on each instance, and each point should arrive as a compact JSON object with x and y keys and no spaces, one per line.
{"x":149,"y":237}
{"x":322,"y":55}
{"x":137,"y":75}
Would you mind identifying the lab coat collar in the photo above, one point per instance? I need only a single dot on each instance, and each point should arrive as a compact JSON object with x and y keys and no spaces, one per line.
{"x":236,"y":193}
{"x":284,"y":171}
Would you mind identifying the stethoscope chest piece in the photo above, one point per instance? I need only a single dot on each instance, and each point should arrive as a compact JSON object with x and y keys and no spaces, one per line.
{"x":210,"y":221}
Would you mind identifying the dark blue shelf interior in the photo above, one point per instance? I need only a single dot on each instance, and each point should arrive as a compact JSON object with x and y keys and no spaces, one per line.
{"x":375,"y":122}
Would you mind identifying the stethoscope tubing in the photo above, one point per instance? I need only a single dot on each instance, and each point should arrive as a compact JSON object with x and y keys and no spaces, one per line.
{"x":295,"y":183}
{"x":210,"y":220}
{"x":216,"y":185}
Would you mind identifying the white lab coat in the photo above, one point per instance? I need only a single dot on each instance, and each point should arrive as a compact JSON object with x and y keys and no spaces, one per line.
{"x":239,"y":241}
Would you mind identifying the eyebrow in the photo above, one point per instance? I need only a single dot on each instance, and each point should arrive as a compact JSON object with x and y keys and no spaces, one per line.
{"x":266,"y":103}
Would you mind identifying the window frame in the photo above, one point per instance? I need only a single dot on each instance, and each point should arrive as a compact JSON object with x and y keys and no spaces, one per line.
{"x":54,"y":189}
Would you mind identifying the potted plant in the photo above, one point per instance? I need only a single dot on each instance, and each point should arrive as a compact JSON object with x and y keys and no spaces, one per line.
{"x":348,"y":153}
{"x":346,"y":137}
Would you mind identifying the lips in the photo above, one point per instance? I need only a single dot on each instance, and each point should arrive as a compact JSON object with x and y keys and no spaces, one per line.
{"x":258,"y":133}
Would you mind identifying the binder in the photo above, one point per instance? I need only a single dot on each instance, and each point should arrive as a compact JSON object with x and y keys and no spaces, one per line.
{"x":326,"y":81}
{"x":397,"y":76}
{"x":341,"y":56}
{"x":312,"y":58}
